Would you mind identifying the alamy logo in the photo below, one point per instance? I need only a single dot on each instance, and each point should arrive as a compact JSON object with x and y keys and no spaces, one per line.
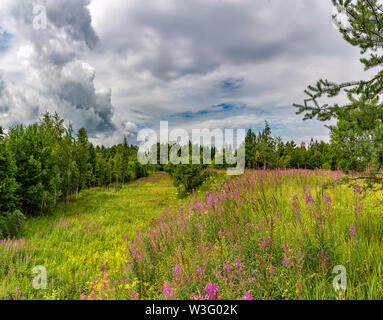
{"x":340,"y":281}
{"x":40,"y":17}
{"x":40,"y":279}
{"x":229,"y":145}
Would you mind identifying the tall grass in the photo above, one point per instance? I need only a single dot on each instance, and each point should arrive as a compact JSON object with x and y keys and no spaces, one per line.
{"x":264,"y":235}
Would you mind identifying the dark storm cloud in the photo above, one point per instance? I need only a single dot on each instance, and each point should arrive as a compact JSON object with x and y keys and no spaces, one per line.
{"x":63,"y":82}
{"x":197,"y":37}
{"x":73,"y":17}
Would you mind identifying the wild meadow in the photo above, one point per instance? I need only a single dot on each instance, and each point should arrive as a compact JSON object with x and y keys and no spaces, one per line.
{"x":263,"y":235}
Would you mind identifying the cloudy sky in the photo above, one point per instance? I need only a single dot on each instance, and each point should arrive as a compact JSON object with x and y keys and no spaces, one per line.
{"x":117,"y":66}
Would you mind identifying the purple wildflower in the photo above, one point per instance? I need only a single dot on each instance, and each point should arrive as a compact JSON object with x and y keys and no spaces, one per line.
{"x":309,"y":198}
{"x":177,"y":269}
{"x":286,"y":261}
{"x":248,"y":296}
{"x":238,"y":263}
{"x":352,"y":230}
{"x":167,"y":291}
{"x":199,"y":270}
{"x":356,"y":188}
{"x":227,"y":267}
{"x":212,"y":291}
{"x":134,"y":296}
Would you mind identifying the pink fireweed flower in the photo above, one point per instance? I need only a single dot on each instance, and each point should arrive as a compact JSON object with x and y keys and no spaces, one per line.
{"x":323,"y":257}
{"x":356,"y":188}
{"x":228,"y":234}
{"x":309,"y":198}
{"x":238,"y":263}
{"x":227,"y":267}
{"x":251,"y":280}
{"x":248,"y":296}
{"x":134,"y":296}
{"x":167,"y":291}
{"x":220,"y":233}
{"x":199,"y":270}
{"x":352,"y":230}
{"x":177,"y":269}
{"x":286,"y":261}
{"x":264,"y":242}
{"x":212,"y":291}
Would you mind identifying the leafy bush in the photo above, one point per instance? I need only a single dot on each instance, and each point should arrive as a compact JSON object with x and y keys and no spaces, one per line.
{"x":10,"y":224}
{"x":187,"y":177}
{"x":326,"y":166}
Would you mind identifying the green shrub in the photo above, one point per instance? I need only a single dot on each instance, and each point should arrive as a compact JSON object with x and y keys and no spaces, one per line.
{"x":326,"y":166}
{"x":10,"y":224}
{"x":187,"y":177}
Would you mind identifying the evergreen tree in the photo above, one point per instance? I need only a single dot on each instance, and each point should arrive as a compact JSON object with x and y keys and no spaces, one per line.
{"x":358,"y":134}
{"x":83,"y":159}
{"x":8,"y":184}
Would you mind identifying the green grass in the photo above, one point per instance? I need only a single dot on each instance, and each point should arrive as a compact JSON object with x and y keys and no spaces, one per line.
{"x":93,"y":231}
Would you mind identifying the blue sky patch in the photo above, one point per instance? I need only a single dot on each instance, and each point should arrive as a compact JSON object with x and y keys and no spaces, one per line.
{"x":220,"y":108}
{"x":231,"y":84}
{"x":5,"y":39}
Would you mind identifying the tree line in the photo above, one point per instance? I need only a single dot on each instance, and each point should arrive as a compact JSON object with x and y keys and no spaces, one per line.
{"x":262,"y":151}
{"x":45,"y":162}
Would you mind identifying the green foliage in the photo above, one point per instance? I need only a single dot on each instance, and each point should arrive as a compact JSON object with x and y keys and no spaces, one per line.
{"x":263,"y":151}
{"x":358,"y":135}
{"x":188,"y":177}
{"x":10,"y":223}
{"x":8,"y":184}
{"x":44,"y":163}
